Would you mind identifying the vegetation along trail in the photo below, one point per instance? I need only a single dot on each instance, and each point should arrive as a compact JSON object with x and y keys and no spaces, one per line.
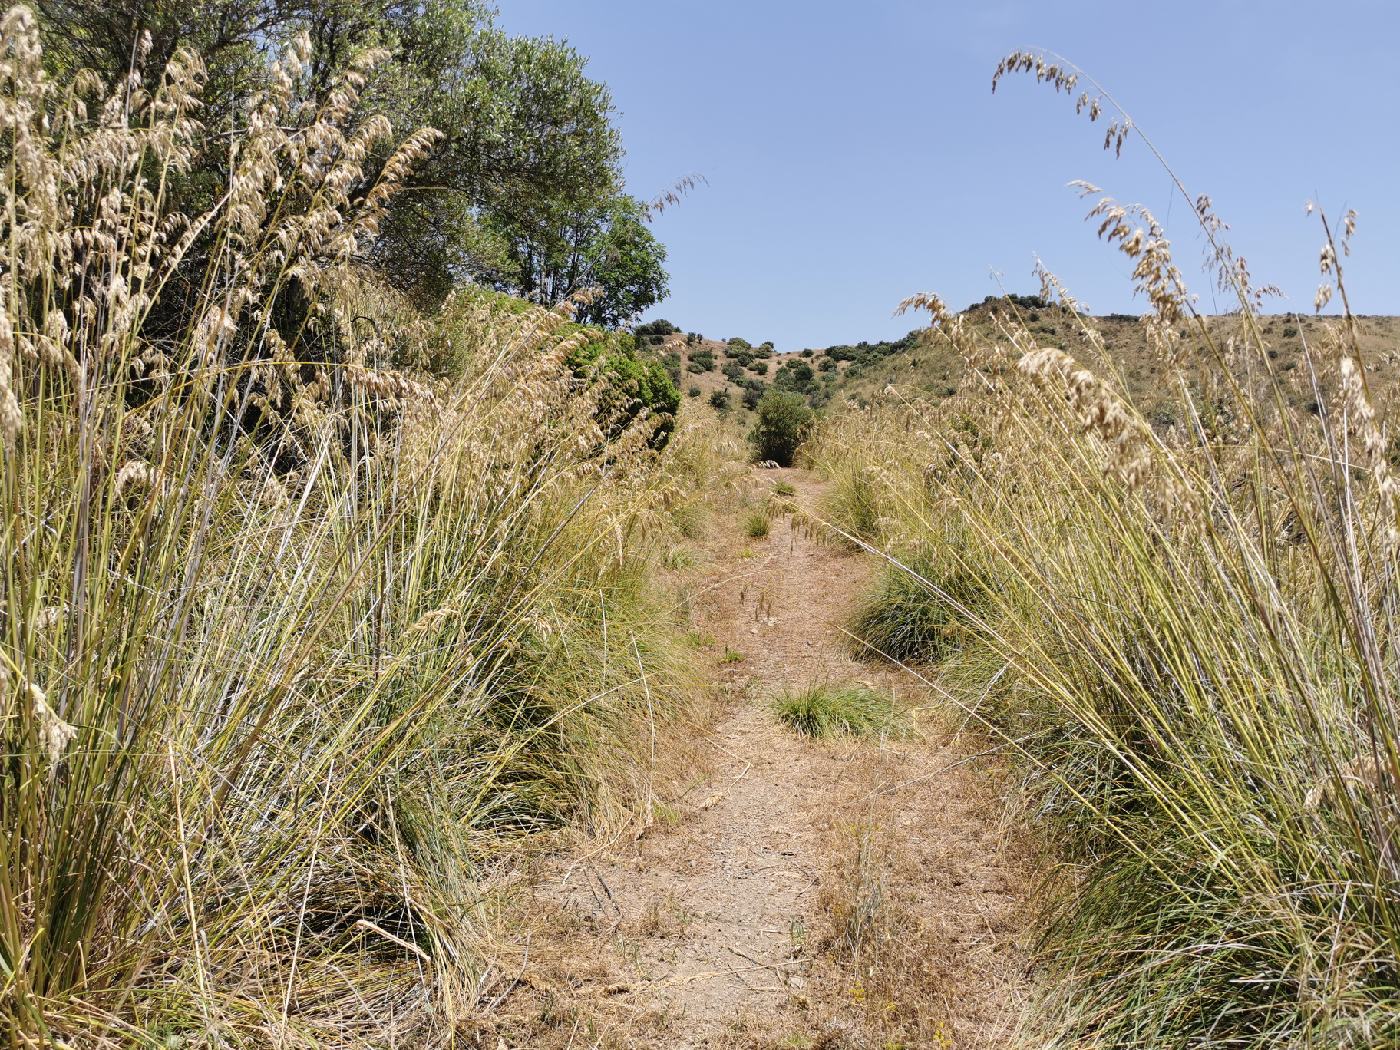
{"x":850,"y":890}
{"x":408,"y":639}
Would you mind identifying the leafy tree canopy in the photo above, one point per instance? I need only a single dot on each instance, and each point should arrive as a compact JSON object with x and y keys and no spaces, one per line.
{"x":522,"y":194}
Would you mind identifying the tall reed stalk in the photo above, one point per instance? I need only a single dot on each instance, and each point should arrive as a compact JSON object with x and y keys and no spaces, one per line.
{"x":290,"y":638}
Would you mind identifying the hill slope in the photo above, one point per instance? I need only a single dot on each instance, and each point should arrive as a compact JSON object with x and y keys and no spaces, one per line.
{"x":921,"y":363}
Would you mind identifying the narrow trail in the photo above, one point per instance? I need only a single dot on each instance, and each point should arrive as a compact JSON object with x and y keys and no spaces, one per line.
{"x":799,"y":893}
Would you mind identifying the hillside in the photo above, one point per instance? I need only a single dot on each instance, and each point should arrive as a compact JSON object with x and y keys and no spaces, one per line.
{"x":921,"y":363}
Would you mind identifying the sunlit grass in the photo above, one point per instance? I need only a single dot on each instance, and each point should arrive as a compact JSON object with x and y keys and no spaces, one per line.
{"x":836,"y":709}
{"x":291,"y":644}
{"x":1186,"y":633}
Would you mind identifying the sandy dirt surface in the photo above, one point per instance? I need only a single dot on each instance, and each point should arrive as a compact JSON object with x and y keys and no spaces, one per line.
{"x":796,"y":892}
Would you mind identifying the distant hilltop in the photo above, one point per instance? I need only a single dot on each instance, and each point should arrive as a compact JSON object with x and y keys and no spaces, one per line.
{"x":731,"y":374}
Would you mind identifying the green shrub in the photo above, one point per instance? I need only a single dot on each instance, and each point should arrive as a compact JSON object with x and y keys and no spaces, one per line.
{"x":797,"y":376}
{"x":756,"y":525}
{"x":784,"y":420}
{"x":798,"y":373}
{"x":719,"y":400}
{"x":659,"y":327}
{"x":826,"y":710}
{"x":633,"y":387}
{"x":692,"y":391}
{"x":785,"y":488}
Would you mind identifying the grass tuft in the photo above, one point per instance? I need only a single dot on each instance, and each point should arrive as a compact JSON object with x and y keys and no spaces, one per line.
{"x":830,"y":710}
{"x":919,"y":612}
{"x":853,"y":506}
{"x":756,"y":525}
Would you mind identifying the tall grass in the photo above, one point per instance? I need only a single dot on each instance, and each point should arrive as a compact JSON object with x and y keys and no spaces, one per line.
{"x":289,"y":640}
{"x":918,"y":612}
{"x":1188,"y":634}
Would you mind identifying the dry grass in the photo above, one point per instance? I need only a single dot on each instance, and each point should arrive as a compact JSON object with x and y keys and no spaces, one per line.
{"x":293,"y":638}
{"x":914,"y":938}
{"x":1188,"y":636}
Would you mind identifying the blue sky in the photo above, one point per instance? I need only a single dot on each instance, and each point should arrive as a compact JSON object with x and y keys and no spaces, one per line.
{"x":855,"y":154}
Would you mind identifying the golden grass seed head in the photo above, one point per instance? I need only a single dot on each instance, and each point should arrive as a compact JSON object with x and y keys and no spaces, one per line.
{"x":54,"y":733}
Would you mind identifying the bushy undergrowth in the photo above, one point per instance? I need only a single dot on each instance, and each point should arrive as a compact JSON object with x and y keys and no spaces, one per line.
{"x":828,"y":710}
{"x":287,"y":646}
{"x":1189,"y":635}
{"x":631,"y":387}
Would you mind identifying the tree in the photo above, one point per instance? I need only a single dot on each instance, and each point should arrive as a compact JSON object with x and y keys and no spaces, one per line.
{"x":523,"y":193}
{"x":606,"y":245}
{"x":110,"y":39}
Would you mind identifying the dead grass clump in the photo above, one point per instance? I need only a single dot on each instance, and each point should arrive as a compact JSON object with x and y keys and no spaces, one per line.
{"x":890,"y":965}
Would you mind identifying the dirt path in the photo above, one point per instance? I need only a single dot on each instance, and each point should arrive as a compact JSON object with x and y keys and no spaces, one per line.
{"x":799,"y":893}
